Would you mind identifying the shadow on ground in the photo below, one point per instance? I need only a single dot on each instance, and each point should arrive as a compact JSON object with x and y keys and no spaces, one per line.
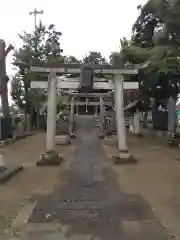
{"x":90,"y":203}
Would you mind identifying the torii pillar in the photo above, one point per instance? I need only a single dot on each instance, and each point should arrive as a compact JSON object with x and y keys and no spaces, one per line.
{"x":51,"y":157}
{"x":123,"y":157}
{"x":119,"y":101}
{"x":51,"y":112}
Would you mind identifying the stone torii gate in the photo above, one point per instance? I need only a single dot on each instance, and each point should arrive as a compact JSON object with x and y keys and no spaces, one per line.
{"x":51,"y":157}
{"x":100,"y":103}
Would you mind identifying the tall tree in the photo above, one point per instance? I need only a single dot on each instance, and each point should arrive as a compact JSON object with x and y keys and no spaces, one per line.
{"x":156,"y":38}
{"x":165,"y":54}
{"x":40,"y":47}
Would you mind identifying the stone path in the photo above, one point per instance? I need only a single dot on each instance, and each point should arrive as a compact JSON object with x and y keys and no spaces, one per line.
{"x":89,"y":205}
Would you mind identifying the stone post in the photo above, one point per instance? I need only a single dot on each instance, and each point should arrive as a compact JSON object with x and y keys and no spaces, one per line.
{"x":102,"y":117}
{"x":123,"y":155}
{"x":77,"y":111}
{"x":137,"y":122}
{"x":51,"y":113}
{"x":87,"y":104}
{"x":131,"y":125}
{"x":71,"y":119}
{"x":96,"y":111}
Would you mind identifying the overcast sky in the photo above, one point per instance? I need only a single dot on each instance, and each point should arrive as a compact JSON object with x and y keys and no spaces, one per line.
{"x":86,"y":25}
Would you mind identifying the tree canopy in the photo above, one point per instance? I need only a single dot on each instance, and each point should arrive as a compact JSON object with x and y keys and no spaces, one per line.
{"x":40,"y":47}
{"x":94,"y":58}
{"x":155,"y":39}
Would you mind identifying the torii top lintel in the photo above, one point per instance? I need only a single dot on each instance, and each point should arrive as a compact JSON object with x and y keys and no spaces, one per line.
{"x":76,"y":68}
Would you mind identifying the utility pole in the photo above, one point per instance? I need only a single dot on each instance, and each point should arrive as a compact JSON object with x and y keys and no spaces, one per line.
{"x":35,"y":13}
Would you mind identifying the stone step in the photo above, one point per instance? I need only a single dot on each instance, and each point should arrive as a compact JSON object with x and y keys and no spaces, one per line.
{"x":63,"y":140}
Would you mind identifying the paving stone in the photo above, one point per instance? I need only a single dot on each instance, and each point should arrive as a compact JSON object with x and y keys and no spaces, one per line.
{"x":9,"y":172}
{"x":44,"y":236}
{"x":23,"y":216}
{"x":98,"y":175}
{"x":74,"y":205}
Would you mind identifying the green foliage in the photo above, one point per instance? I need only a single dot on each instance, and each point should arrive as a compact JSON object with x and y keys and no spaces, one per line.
{"x":71,"y":60}
{"x":17,"y":91}
{"x":94,"y":58}
{"x":146,"y":23}
{"x":155,"y":39}
{"x":40,"y":47}
{"x":129,"y":54}
{"x":60,"y":107}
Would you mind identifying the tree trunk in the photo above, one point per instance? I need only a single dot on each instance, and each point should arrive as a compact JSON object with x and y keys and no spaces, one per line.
{"x":5,"y":102}
{"x":4,"y":79}
{"x":171,"y":106}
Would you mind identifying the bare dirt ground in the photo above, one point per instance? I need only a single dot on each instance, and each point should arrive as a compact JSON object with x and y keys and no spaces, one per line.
{"x":111,"y":208}
{"x":156,"y":177}
{"x":31,"y":181}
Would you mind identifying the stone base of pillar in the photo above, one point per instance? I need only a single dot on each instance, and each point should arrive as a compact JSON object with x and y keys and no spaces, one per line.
{"x":123,"y":158}
{"x":110,"y":140}
{"x":50,"y":158}
{"x":7,"y":172}
{"x":73,"y":135}
{"x":101,"y":136}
